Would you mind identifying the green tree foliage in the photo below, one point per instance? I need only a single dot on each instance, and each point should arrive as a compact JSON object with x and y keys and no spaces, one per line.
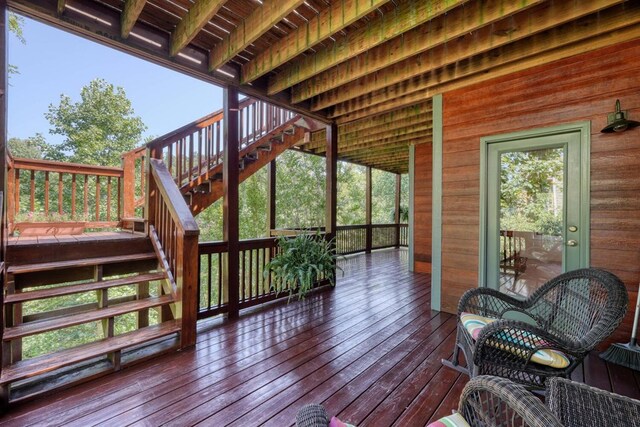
{"x":15,"y":27}
{"x":351,"y":194}
{"x":383,"y":200}
{"x":300,"y":190}
{"x":98,"y":128}
{"x":531,"y":187}
{"x":34,"y":147}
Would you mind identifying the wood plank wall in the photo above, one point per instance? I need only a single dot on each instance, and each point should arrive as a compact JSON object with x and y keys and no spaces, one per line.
{"x":422,"y":208}
{"x":574,"y":89}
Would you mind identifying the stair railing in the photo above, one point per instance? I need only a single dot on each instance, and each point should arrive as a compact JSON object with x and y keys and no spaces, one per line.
{"x":174,"y":230}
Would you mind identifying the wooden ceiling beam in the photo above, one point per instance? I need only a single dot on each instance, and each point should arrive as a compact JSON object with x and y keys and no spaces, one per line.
{"x":196,"y":18}
{"x":387,"y":143}
{"x":571,"y":39}
{"x":382,"y":119}
{"x":250,"y":29}
{"x":405,"y":132}
{"x":130,"y":14}
{"x":458,"y":22}
{"x":382,"y":129}
{"x":339,"y":15}
{"x":517,"y":27}
{"x":405,"y":17}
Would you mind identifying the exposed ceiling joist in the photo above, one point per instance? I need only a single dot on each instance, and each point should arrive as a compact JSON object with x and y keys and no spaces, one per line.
{"x":251,"y":28}
{"x":341,"y":87}
{"x":612,"y":26}
{"x":130,"y":14}
{"x":443,"y":29}
{"x":405,"y":17}
{"x":336,"y":17}
{"x":196,"y":18}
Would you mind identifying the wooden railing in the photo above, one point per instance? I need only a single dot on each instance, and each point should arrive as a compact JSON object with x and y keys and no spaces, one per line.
{"x":134,"y":173}
{"x":191,"y":151}
{"x":45,"y":193}
{"x":174,"y":234}
{"x":255,"y":288}
{"x":352,"y":239}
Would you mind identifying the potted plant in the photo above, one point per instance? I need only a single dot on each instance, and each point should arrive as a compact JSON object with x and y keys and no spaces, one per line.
{"x":302,"y":261}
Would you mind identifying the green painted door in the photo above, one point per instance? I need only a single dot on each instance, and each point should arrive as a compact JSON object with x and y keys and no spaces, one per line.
{"x":536,"y":214}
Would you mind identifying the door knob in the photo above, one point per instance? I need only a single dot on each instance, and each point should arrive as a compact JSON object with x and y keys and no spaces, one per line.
{"x":573,"y":228}
{"x":572,"y":243}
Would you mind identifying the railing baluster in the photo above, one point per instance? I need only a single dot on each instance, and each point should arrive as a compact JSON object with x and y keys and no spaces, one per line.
{"x":108,"y":198}
{"x":32,"y":201}
{"x":86,"y":197}
{"x":73,"y":196}
{"x":60,"y":193}
{"x":17,"y":190}
{"x":46,"y":193}
{"x":97,"y":198}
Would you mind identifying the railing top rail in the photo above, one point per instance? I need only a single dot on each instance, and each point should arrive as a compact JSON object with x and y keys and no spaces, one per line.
{"x":178,"y":207}
{"x":64,"y":167}
{"x":207,"y":120}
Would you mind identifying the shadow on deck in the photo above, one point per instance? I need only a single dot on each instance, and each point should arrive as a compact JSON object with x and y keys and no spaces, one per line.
{"x":369,"y":351}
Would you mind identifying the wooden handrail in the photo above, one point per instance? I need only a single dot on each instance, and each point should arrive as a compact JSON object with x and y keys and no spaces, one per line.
{"x":178,"y":208}
{"x":64,"y":167}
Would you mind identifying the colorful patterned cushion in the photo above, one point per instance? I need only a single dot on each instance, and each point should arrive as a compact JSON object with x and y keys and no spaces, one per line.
{"x":337,"y":423}
{"x":454,"y":420}
{"x":548,"y":357}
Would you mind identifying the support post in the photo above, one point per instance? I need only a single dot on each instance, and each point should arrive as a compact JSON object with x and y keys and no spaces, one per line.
{"x":332,"y":166}
{"x":367,"y":215}
{"x":230,"y":180}
{"x":4,"y":390}
{"x":271,"y":189}
{"x":396,"y":215}
{"x":128,"y":186}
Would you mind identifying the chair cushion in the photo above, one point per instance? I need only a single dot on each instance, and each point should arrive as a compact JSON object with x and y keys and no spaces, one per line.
{"x":474,"y":323}
{"x":455,"y":420}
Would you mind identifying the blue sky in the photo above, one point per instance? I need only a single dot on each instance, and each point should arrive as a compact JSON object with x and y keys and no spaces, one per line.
{"x":54,"y":62}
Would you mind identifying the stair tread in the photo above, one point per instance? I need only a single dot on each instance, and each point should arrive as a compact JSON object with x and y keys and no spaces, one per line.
{"x":32,"y":268}
{"x":82,"y":287}
{"x":41,"y":326}
{"x":40,"y":365}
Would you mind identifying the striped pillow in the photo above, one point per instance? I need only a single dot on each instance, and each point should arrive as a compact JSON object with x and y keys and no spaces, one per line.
{"x":474,"y":323}
{"x":454,"y":420}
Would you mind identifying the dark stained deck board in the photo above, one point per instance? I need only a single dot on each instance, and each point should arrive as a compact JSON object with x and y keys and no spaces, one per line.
{"x":369,"y":351}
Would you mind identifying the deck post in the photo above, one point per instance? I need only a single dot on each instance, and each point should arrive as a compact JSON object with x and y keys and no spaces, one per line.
{"x":331,"y":188}
{"x":230,"y":179}
{"x":367,"y":215}
{"x":396,"y":215}
{"x":271,"y":190}
{"x":4,"y":390}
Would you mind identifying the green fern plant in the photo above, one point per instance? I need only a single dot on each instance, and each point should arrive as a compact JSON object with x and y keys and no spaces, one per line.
{"x":301,"y":261}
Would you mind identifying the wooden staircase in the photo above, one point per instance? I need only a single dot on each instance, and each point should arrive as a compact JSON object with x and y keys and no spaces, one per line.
{"x":129,"y":264}
{"x":204,"y":190}
{"x":149,"y":275}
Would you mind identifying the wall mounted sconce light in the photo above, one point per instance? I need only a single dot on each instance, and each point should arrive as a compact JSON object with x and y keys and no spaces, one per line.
{"x":617,"y":121}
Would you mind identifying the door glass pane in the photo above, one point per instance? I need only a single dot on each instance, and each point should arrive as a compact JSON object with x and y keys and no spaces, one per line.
{"x":531,"y":218}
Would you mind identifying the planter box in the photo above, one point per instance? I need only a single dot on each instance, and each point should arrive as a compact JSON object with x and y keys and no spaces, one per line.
{"x":29,"y":229}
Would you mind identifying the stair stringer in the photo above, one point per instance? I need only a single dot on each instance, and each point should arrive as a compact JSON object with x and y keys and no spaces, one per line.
{"x":200,"y":201}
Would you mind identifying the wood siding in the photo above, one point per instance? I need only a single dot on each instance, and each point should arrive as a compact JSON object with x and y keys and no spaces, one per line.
{"x":422,"y":208}
{"x":574,"y":89}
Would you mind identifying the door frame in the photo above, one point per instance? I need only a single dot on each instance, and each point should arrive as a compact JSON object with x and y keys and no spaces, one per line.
{"x":584,"y":130}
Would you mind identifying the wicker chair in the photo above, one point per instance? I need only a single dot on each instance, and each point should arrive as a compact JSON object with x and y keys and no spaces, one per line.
{"x":573,"y":313}
{"x":498,"y":402}
{"x":577,"y":404}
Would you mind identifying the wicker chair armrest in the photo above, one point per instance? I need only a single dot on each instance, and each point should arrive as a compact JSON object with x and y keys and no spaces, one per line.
{"x":488,"y":302}
{"x":531,"y":339}
{"x":312,"y":415}
{"x":579,"y":404}
{"x":491,"y":401}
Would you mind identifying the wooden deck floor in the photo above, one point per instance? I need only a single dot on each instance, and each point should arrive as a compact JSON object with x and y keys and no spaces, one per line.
{"x":369,"y":351}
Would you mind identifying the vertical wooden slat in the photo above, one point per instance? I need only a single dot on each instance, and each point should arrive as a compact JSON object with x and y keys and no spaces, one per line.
{"x":396,"y":216}
{"x":191,"y":157}
{"x":367,"y":220}
{"x":86,"y":197}
{"x":109,"y":198}
{"x":97,"y":198}
{"x":16,"y":189}
{"x":73,"y":196}
{"x":11,"y":201}
{"x":331,"y":187}
{"x":230,"y":204}
{"x":129,"y":183}
{"x":60,"y":193}
{"x":32,"y":192}
{"x":46,"y":193}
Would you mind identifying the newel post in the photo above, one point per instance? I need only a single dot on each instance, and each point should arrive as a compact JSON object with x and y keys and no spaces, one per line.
{"x":187,"y":278}
{"x":396,"y":216}
{"x":128,"y":185}
{"x":367,"y":216}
